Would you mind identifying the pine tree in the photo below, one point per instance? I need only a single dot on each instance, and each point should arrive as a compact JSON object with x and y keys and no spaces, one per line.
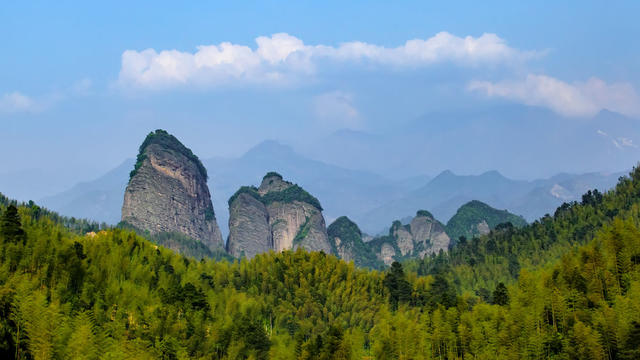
{"x":10,"y":226}
{"x":501,"y":295}
{"x":631,"y":348}
{"x":398,"y":286}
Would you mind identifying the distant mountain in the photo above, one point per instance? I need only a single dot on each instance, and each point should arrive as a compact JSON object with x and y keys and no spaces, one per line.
{"x":99,"y":200}
{"x":341,"y":191}
{"x":370,"y":200}
{"x":522,"y":141}
{"x":548,"y":194}
{"x":477,"y":218}
{"x":447,"y":192}
{"x":32,"y":184}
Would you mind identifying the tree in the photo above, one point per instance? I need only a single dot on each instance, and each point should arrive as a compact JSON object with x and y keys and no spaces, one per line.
{"x":10,"y":226}
{"x":83,"y":342}
{"x":250,"y":338}
{"x":333,"y":347}
{"x":397,"y":284}
{"x":631,"y":349}
{"x":501,"y":295}
{"x":442,"y":293}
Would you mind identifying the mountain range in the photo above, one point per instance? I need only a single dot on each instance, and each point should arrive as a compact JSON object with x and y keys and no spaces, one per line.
{"x":522,"y":141}
{"x":445,"y":193}
{"x":371,"y":200}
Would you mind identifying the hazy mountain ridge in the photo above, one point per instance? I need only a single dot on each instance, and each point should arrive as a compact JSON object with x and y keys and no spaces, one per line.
{"x":476,"y":218}
{"x":447,"y":192}
{"x":522,"y":141}
{"x":99,"y":199}
{"x":341,"y":191}
{"x":370,"y":200}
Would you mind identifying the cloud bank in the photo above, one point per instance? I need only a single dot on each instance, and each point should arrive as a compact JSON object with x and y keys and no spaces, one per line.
{"x":16,"y":102}
{"x":284,"y":58}
{"x":576,"y":99}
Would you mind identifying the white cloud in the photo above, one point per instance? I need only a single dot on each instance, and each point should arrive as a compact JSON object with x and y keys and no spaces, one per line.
{"x":16,"y":102}
{"x":620,"y":142}
{"x":335,"y":110}
{"x":577,"y":99}
{"x":282,"y":57}
{"x":278,"y":47}
{"x":627,"y":142}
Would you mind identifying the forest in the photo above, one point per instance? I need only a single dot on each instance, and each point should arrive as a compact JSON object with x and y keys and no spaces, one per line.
{"x":564,"y":287}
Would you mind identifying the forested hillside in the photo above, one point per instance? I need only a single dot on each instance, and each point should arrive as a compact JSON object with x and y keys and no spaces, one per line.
{"x":112,"y":294}
{"x":476,"y":218}
{"x":480,"y":263}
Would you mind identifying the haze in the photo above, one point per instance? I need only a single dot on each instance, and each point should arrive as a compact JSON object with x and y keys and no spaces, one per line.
{"x":398,"y":91}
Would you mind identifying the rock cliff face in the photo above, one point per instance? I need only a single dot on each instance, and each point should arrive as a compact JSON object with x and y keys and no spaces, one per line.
{"x":168,"y":193}
{"x":423,"y":235}
{"x":429,"y":234}
{"x":346,"y":240}
{"x":248,"y":221}
{"x":278,"y":215}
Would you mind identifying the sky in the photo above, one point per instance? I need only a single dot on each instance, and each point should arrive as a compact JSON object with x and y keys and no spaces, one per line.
{"x":82,"y":83}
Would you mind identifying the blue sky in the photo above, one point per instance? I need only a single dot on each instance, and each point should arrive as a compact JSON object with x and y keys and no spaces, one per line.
{"x":72,"y":100}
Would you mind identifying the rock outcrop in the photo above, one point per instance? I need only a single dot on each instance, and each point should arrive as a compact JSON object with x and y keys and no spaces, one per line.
{"x":346,"y":241}
{"x":277,"y":216}
{"x":423,"y":235}
{"x":167,"y":192}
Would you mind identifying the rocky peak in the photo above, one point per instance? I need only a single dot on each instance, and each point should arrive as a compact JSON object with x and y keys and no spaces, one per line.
{"x":168,"y":193}
{"x":273,"y":182}
{"x":280,"y":215}
{"x":423,"y":235}
{"x":345,"y":238}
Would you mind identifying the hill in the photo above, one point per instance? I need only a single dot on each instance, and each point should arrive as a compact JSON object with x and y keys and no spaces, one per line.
{"x":346,"y":242}
{"x":447,"y":192}
{"x":479,"y":264}
{"x":477,"y":218}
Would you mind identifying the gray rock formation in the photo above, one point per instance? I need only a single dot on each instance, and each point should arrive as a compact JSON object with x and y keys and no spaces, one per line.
{"x":483,"y":227}
{"x":276,"y":216}
{"x":167,"y":192}
{"x":429,"y":234}
{"x":422,"y":236}
{"x":345,"y":238}
{"x":249,"y":221}
{"x":387,"y":254}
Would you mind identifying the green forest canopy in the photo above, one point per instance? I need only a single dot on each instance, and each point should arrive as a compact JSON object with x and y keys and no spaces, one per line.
{"x":113,"y":294}
{"x":469,"y":215}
